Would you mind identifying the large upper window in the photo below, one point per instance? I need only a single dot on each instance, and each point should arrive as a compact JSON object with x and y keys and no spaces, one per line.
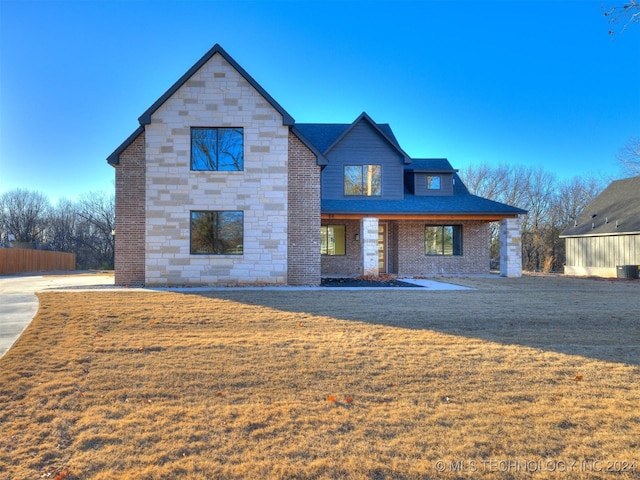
{"x":332,"y":240}
{"x":443,"y":240}
{"x":217,"y":149}
{"x":217,"y":232}
{"x":363,"y":180}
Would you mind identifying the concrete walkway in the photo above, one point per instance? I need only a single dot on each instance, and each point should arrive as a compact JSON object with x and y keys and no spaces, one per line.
{"x":19,"y":304}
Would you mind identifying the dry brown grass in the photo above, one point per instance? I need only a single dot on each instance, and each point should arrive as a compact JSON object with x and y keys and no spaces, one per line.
{"x":328,"y":384}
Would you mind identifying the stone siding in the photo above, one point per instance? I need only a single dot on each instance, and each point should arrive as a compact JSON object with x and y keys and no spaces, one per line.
{"x":130,"y":215}
{"x":510,"y":248}
{"x":216,"y":96}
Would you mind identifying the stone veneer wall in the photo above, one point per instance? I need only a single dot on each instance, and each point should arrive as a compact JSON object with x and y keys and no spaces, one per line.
{"x":510,"y":247}
{"x":130,"y":215}
{"x":216,"y":96}
{"x":369,"y":246}
{"x":413,"y":261}
{"x":303,"y":231}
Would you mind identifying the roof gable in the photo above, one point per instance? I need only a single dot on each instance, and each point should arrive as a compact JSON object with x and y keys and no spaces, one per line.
{"x":615,"y":211}
{"x":325,"y":136}
{"x":145,"y":118}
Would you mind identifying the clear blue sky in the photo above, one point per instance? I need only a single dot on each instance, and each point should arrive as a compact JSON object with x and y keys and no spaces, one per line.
{"x":536,"y":83}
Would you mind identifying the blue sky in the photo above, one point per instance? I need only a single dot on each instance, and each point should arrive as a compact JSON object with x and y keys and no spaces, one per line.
{"x":537,"y":83}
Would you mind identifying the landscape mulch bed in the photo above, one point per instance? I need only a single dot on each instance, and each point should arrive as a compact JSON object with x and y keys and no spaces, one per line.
{"x":364,"y":283}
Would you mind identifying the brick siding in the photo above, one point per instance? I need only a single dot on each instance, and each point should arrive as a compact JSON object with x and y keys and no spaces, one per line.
{"x":303,"y":231}
{"x":130,"y":215}
{"x":413,"y":261}
{"x":405,"y":250}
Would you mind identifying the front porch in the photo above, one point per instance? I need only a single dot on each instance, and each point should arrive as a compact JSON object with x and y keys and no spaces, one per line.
{"x":398,"y":246}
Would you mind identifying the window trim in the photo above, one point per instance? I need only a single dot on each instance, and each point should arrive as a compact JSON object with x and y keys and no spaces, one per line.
{"x":196,"y":253}
{"x":456,"y":241}
{"x":218,"y":129}
{"x":362,"y":177}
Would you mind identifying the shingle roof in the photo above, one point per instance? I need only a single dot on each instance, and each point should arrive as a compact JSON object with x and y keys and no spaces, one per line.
{"x":460,"y":203}
{"x":615,"y":211}
{"x":325,"y":135}
{"x":435,"y":165}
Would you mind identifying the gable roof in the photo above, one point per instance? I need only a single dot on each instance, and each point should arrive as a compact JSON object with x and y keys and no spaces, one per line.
{"x":145,"y":118}
{"x":325,"y":136}
{"x":616,"y":211}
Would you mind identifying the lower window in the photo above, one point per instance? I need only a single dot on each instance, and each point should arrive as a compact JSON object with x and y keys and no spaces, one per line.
{"x":217,"y":232}
{"x":332,"y":240}
{"x":443,"y":240}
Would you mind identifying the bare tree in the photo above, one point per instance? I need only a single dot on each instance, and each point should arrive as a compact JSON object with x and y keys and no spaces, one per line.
{"x":629,"y":156}
{"x":23,"y":215}
{"x":94,"y":234}
{"x":62,"y":226}
{"x":622,"y":15}
{"x":551,"y":206}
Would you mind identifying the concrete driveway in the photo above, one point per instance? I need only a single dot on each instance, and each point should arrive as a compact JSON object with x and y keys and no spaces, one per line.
{"x":19,"y":304}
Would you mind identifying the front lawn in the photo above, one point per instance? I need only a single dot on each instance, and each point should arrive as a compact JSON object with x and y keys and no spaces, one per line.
{"x":537,"y":377}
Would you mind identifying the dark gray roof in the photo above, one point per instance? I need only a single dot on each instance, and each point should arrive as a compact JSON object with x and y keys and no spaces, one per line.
{"x":615,"y":211}
{"x":326,"y":135}
{"x":460,"y":203}
{"x":435,"y":165}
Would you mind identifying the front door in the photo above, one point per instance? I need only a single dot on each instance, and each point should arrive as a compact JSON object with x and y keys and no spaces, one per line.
{"x":382,"y":248}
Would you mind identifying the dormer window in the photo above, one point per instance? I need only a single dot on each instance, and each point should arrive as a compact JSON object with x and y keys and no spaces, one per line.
{"x":434,"y":182}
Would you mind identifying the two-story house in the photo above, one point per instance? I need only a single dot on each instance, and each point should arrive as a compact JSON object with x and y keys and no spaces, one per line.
{"x":219,"y":185}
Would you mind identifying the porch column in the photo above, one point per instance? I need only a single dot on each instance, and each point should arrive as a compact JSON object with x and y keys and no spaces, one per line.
{"x":510,"y":248}
{"x":369,"y":246}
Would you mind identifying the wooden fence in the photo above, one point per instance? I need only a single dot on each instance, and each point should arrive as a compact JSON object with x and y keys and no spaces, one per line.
{"x":19,"y":260}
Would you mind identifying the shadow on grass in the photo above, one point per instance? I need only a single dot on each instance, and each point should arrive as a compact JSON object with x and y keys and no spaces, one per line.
{"x":591,"y":318}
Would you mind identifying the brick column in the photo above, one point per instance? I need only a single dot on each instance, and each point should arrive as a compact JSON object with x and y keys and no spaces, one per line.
{"x":510,"y":248}
{"x":369,"y":246}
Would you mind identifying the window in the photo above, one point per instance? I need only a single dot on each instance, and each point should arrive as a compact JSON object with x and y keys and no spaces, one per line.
{"x":217,"y":232}
{"x":433,"y":182}
{"x":217,"y":149}
{"x":443,"y":239}
{"x":333,"y":239}
{"x":363,"y":180}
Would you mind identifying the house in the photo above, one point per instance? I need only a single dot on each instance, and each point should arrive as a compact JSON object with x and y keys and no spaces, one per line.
{"x":606,"y":235}
{"x":219,"y":185}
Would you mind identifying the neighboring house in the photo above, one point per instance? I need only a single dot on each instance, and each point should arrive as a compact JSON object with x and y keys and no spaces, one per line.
{"x":607,"y":233}
{"x":219,"y":185}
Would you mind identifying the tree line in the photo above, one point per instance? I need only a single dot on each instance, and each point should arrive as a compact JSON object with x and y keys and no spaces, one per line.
{"x":552,"y":206}
{"x":84,"y":227}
